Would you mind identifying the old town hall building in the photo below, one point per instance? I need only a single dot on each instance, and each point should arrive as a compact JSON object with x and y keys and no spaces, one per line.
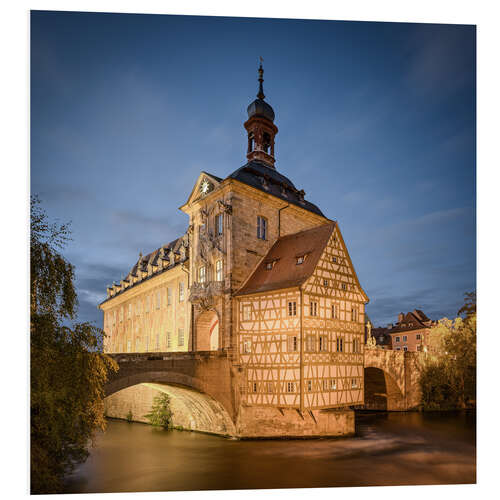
{"x":262,"y":275}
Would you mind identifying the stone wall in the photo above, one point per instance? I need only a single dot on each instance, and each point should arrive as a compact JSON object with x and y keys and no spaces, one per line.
{"x":261,"y":422}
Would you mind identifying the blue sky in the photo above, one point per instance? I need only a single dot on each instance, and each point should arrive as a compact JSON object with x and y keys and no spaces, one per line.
{"x":376,"y":123}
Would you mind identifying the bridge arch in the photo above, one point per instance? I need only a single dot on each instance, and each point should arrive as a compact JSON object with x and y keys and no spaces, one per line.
{"x":381,"y":391}
{"x":192,"y":408}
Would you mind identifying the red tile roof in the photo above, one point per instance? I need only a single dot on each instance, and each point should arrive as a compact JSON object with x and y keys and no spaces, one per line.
{"x":285,"y":272}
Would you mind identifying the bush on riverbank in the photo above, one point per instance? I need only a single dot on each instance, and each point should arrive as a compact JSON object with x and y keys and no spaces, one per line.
{"x":448,"y":379}
{"x":161,"y":414}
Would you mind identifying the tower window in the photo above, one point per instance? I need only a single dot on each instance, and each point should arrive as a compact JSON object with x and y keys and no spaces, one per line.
{"x":267,"y":142}
{"x":261,"y":228}
{"x":219,"y":224}
{"x":218,"y":270}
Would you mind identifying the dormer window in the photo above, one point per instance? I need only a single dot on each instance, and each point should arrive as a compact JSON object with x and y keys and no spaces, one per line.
{"x":300,"y":259}
{"x":270,"y":264}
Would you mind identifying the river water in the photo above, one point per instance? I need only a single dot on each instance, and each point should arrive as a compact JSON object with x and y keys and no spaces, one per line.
{"x":388,"y":449}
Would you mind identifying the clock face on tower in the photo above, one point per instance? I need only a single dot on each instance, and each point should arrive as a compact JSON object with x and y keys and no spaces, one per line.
{"x":205,"y":186}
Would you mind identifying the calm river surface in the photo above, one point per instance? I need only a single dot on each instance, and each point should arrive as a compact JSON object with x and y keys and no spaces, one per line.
{"x":389,"y":449}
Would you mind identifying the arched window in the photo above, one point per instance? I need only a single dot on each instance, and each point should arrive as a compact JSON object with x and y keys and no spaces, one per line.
{"x":261,"y":227}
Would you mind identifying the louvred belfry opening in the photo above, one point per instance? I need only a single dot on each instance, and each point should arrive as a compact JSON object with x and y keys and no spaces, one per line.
{"x":260,"y":128}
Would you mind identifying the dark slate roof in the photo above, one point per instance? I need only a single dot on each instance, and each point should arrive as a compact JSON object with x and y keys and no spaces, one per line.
{"x":269,"y":180}
{"x":259,"y":107}
{"x":285,"y":272}
{"x":416,"y":318}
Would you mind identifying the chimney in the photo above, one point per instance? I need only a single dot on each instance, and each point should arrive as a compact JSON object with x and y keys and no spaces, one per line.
{"x":400,"y":317}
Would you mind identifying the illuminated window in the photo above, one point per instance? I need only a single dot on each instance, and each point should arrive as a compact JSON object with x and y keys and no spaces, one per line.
{"x":181,"y":291}
{"x":202,"y":274}
{"x":261,"y":228}
{"x":246,"y":312}
{"x":180,"y":339}
{"x":292,"y":308}
{"x":419,"y":336}
{"x":219,"y":224}
{"x":354,"y":314}
{"x":323,"y":343}
{"x":247,"y":346}
{"x":293,"y":344}
{"x":311,"y":343}
{"x":333,"y":384}
{"x":340,"y":344}
{"x":313,"y":308}
{"x":218,"y":270}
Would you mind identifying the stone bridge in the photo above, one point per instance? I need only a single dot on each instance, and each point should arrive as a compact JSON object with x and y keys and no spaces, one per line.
{"x":199,"y":384}
{"x":392,"y":379}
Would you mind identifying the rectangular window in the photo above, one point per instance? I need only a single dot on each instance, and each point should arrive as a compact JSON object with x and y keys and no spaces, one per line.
{"x":129,"y":345}
{"x":121,"y":314}
{"x":147,"y":303}
{"x":340,"y":344}
{"x":344,"y":286}
{"x":261,"y":228}
{"x":325,"y":282}
{"x":325,"y":384}
{"x":334,"y":311}
{"x":169,"y":340}
{"x":290,"y":387}
{"x":405,"y":338}
{"x":180,"y":340}
{"x":202,"y":274}
{"x":147,"y":344}
{"x":405,"y":348}
{"x":137,"y":345}
{"x":419,"y":348}
{"x":334,"y":260}
{"x":300,"y":259}
{"x":354,"y":314}
{"x":398,"y":339}
{"x":157,"y":341}
{"x":354,"y":383}
{"x":129,"y":313}
{"x":313,"y":308}
{"x":247,"y":346}
{"x":181,"y":292}
{"x":169,"y":296}
{"x":292,"y":344}
{"x":419,"y":336}
{"x":311,"y":343}
{"x":323,"y":343}
{"x":309,"y":385}
{"x":158,"y":299}
{"x":398,"y":348}
{"x":218,"y":270}
{"x":333,"y":384}
{"x":254,"y":387}
{"x":219,"y":224}
{"x":246,"y":313}
{"x":270,"y":387}
{"x":292,"y":308}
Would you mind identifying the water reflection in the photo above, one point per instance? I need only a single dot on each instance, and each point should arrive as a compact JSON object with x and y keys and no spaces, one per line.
{"x":389,"y":449}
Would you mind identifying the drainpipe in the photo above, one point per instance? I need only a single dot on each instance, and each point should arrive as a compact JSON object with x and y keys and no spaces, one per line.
{"x":279,"y":218}
{"x":301,"y":387}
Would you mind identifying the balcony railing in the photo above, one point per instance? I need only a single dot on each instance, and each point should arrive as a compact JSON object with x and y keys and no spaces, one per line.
{"x":202,"y":291}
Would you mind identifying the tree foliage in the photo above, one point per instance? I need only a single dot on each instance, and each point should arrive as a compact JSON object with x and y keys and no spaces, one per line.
{"x":68,"y":368}
{"x":448,"y":379}
{"x":161,"y":414}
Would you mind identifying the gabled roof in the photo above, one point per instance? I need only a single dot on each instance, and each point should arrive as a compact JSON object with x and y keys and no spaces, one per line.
{"x":266,"y":179}
{"x":285,"y":272}
{"x":412,"y":321}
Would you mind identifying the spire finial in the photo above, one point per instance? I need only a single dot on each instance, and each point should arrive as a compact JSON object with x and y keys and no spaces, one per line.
{"x":261,"y":95}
